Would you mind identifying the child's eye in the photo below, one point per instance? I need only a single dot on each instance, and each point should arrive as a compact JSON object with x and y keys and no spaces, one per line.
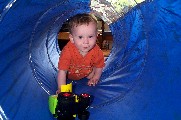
{"x":80,"y":37}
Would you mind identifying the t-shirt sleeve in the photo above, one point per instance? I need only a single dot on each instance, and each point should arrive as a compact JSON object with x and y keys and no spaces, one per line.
{"x":99,"y":61}
{"x":64,"y":59}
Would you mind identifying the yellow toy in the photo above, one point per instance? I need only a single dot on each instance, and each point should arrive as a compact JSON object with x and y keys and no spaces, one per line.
{"x":53,"y":98}
{"x":65,"y":105}
{"x":66,"y":88}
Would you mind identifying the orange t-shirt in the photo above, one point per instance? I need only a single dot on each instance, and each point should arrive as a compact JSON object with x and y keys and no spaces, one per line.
{"x":79,"y":66}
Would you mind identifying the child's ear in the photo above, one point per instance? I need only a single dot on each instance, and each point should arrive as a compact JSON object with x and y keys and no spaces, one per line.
{"x":71,"y":38}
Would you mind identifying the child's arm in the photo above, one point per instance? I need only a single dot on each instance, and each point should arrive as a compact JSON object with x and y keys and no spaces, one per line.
{"x":61,"y":79}
{"x":97,"y":74}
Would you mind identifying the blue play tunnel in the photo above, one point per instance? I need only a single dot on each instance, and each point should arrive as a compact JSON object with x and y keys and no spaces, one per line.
{"x":142,"y":76}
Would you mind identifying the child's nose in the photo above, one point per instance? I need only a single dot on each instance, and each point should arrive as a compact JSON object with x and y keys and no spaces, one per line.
{"x":86,"y":41}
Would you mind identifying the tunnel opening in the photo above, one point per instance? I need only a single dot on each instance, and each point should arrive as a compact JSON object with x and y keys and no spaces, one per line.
{"x":104,"y":38}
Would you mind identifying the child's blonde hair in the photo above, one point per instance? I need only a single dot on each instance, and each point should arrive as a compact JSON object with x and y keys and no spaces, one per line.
{"x":81,"y":19}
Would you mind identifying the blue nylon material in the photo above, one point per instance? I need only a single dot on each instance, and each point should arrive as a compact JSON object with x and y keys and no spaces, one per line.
{"x":141,"y":79}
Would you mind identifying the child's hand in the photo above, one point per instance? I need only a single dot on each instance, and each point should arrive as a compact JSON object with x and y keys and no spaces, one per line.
{"x":58,"y":91}
{"x":93,"y":82}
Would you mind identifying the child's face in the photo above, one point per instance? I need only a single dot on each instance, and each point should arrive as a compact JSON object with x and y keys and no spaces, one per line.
{"x":84,"y":37}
